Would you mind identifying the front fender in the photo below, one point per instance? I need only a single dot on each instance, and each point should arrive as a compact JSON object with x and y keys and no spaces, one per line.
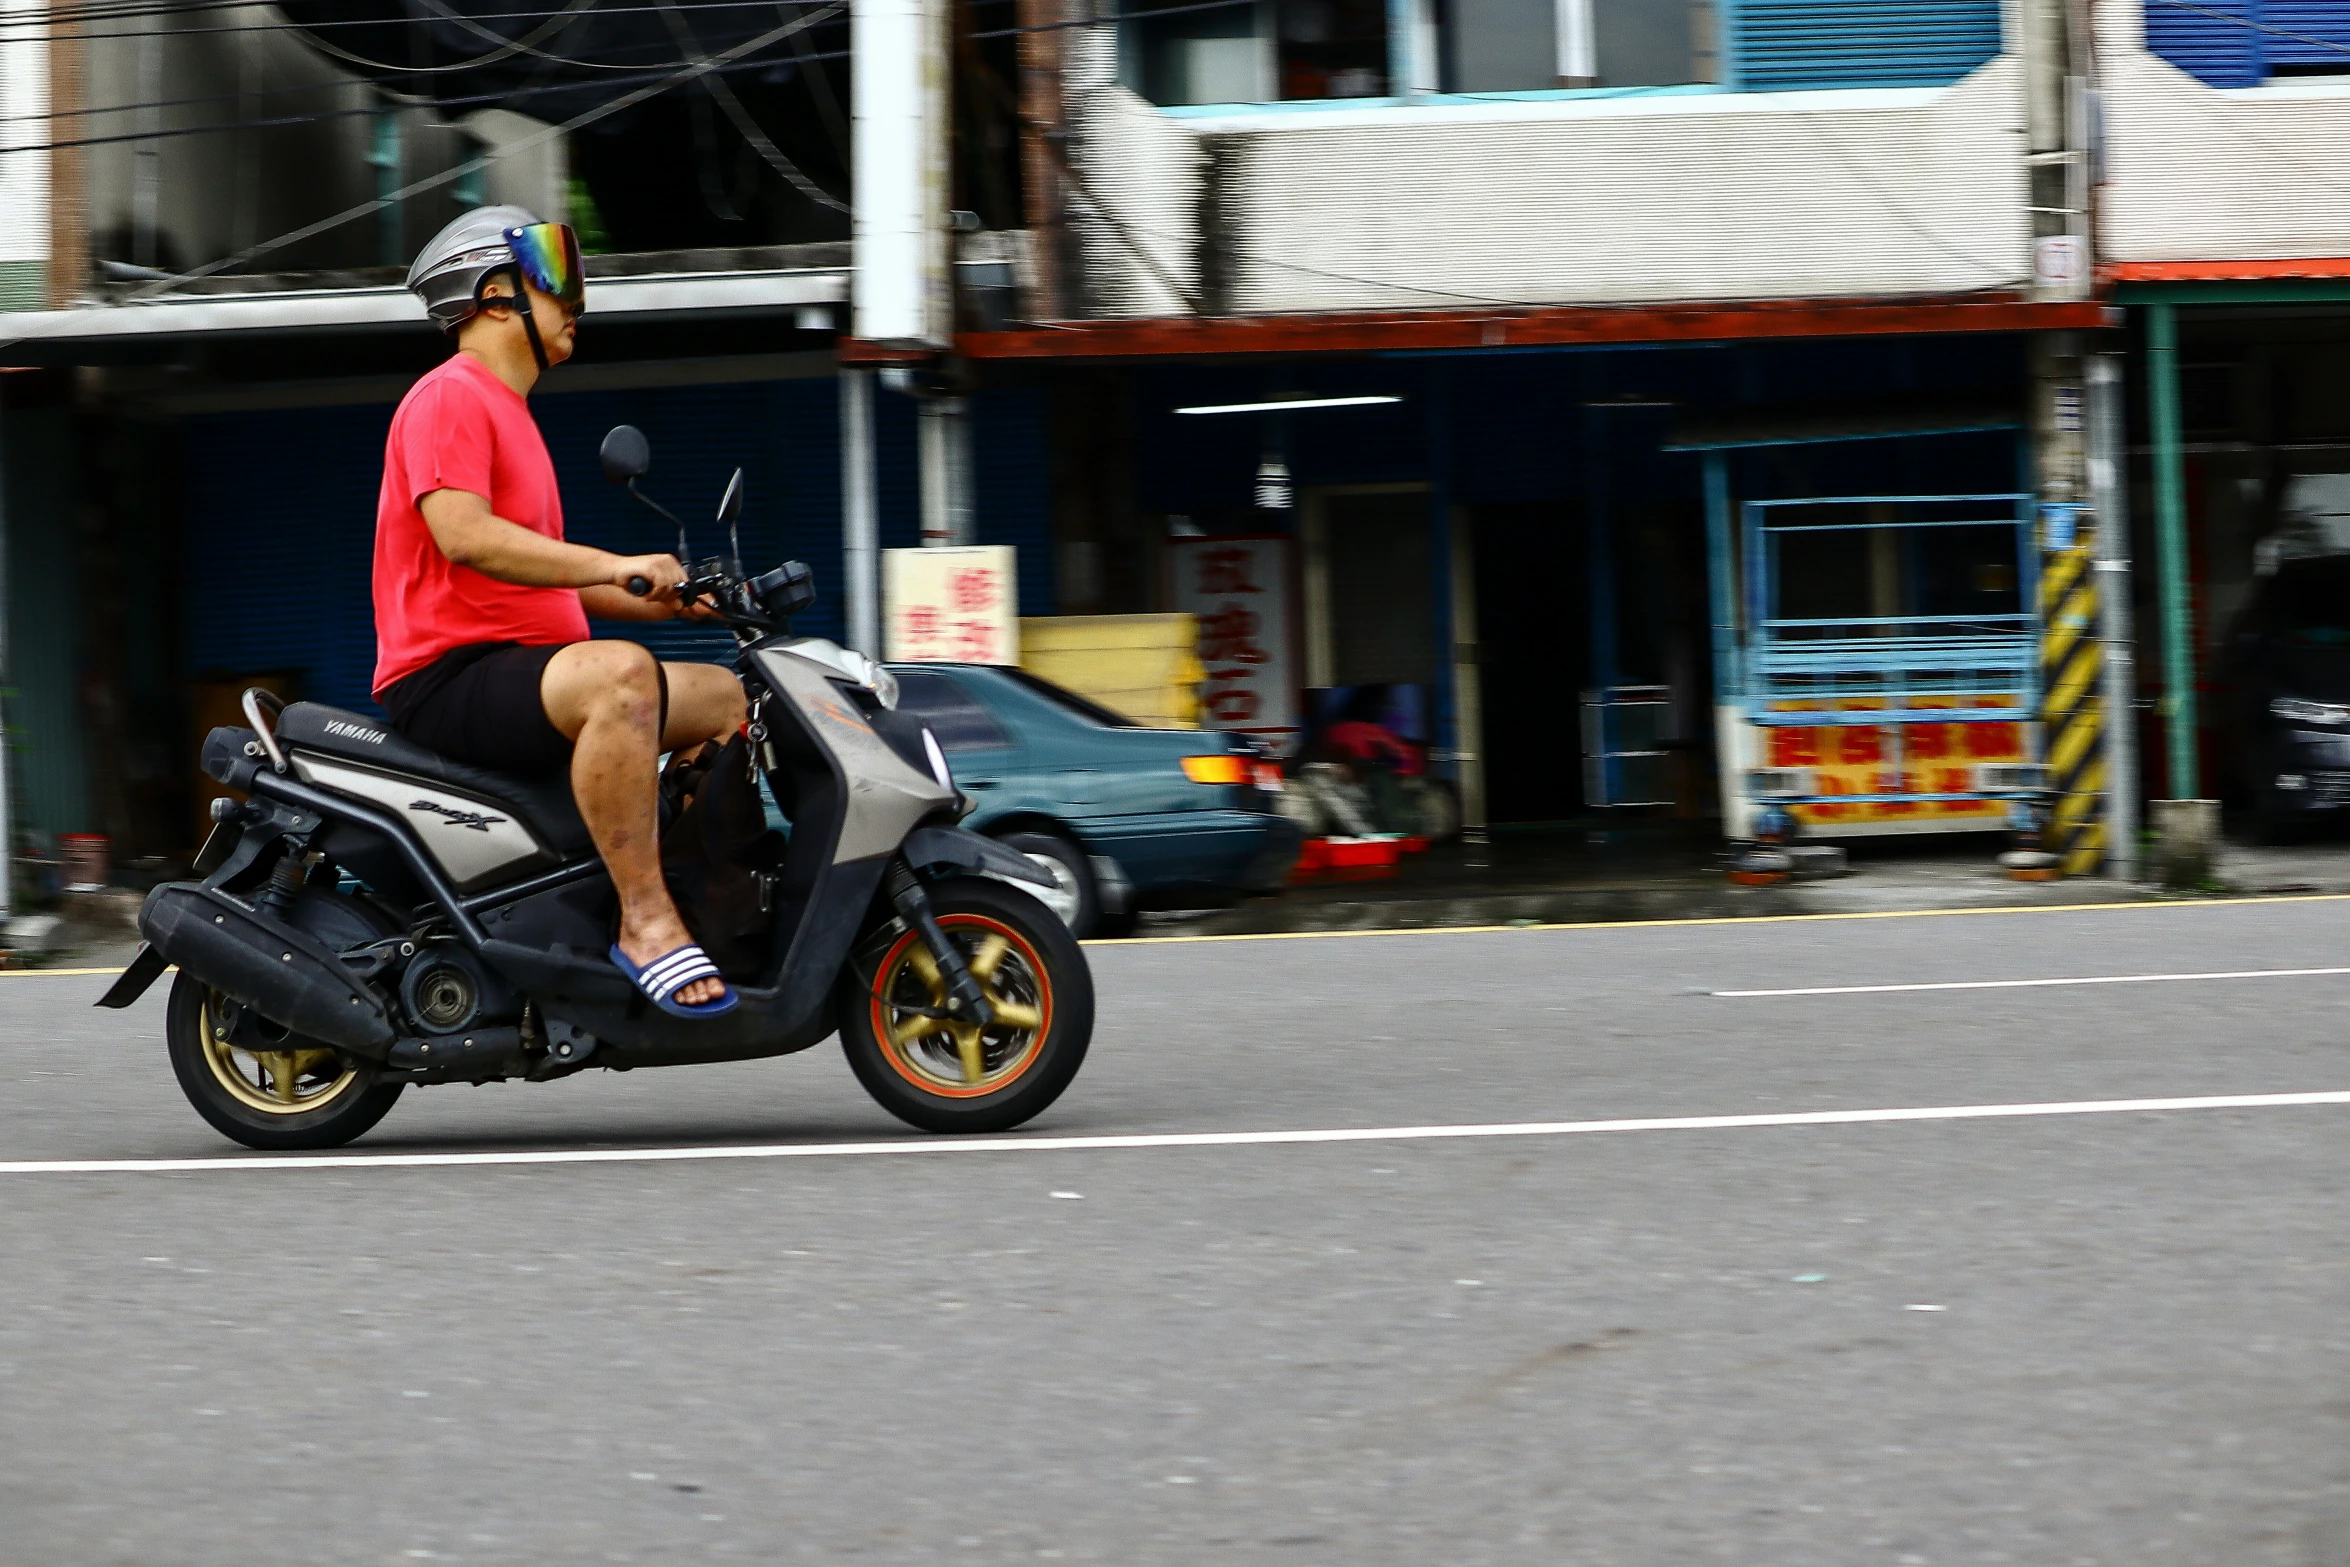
{"x":926,"y":848}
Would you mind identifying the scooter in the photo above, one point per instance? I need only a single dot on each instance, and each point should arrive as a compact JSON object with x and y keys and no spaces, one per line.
{"x":372,"y":915}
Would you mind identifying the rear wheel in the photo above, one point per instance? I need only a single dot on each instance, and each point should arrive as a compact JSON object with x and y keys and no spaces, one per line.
{"x":946,"y":1076}
{"x":282,"y":1094}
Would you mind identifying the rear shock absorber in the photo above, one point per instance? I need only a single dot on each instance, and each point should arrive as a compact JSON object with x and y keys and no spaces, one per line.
{"x":286,"y":879}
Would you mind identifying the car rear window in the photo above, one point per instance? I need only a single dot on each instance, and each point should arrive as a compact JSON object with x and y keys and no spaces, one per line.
{"x":960,"y":723}
{"x":1084,"y":707}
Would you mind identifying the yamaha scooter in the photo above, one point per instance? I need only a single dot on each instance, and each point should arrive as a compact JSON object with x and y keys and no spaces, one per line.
{"x":371,"y":915}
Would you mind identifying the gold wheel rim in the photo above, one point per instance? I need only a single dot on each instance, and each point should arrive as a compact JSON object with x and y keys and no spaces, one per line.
{"x":293,"y":1081}
{"x":963,"y":1060}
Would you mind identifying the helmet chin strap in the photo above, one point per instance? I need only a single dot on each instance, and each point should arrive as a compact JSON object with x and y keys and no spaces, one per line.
{"x":522,"y":307}
{"x":530,"y":320}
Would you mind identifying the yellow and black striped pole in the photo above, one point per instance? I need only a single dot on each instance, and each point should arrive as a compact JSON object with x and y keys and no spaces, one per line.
{"x":2073,"y":709}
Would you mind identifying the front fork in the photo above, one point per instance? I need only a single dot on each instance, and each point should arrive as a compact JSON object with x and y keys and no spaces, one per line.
{"x":965,"y":1000}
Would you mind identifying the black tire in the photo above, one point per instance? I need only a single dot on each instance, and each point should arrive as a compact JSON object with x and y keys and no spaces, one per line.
{"x":1040,"y":970}
{"x":1070,"y":868}
{"x":346,"y":1101}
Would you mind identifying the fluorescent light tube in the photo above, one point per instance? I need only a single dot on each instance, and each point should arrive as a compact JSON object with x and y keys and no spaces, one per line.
{"x":1280,"y":405}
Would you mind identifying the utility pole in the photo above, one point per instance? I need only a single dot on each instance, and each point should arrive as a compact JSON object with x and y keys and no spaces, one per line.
{"x":2074,"y":733}
{"x":2109,"y":490}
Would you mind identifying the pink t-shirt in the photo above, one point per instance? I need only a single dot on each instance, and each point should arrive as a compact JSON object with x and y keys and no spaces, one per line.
{"x":461,"y":428}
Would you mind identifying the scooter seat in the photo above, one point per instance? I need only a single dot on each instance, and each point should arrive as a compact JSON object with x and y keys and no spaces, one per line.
{"x":544,"y":804}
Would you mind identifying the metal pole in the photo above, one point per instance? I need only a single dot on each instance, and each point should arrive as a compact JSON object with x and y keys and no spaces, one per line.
{"x":2170,"y":536}
{"x":2109,"y":495}
{"x":1402,"y":72}
{"x":942,"y":430}
{"x":860,"y":528}
{"x":1721,"y":576}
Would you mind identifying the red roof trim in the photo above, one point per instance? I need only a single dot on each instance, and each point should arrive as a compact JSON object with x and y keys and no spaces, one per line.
{"x":1380,"y":331}
{"x":2225,"y":271}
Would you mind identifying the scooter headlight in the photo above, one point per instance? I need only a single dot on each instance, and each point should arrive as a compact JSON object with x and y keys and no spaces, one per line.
{"x":882,"y":684}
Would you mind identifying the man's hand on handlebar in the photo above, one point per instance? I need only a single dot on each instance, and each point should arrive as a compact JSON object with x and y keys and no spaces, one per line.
{"x":654,"y":577}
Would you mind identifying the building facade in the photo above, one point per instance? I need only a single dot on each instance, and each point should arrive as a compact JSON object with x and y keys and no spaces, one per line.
{"x":1641,"y":337}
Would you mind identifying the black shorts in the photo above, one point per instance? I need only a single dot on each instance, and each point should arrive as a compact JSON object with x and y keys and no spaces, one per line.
{"x":480,"y":705}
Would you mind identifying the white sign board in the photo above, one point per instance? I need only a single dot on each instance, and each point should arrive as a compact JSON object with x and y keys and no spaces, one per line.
{"x":959,"y":605}
{"x":1238,"y":590}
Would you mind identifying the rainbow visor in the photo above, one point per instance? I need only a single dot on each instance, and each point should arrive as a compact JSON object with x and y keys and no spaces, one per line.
{"x":548,"y":254}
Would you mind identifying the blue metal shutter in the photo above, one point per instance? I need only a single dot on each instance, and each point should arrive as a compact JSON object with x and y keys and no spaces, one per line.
{"x":2218,"y":50}
{"x":2314,"y":24}
{"x":1783,"y":45}
{"x":1012,"y":486}
{"x":280,"y":536}
{"x":279,"y":575}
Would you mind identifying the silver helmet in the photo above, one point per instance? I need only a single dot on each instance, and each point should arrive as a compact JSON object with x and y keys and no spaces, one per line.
{"x":449,"y":270}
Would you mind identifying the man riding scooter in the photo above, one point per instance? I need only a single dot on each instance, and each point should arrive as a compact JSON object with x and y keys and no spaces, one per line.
{"x":481,"y":605}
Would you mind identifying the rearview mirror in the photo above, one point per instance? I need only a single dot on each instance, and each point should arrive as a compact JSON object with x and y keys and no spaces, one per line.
{"x":730,"y":505}
{"x":626,"y":455}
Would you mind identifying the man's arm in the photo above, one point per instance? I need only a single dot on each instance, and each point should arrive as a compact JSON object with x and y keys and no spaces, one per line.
{"x":470,"y":534}
{"x":603,"y":601}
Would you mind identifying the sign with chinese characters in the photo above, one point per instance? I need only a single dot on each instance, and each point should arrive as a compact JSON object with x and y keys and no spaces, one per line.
{"x":1238,"y":591}
{"x":1913,"y":758}
{"x":959,"y":605}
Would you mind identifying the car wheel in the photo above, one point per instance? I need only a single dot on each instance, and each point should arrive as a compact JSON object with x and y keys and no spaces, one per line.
{"x":1072,"y":895}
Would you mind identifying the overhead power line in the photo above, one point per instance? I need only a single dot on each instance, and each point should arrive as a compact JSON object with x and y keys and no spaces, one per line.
{"x":53,"y":18}
{"x":540,"y":90}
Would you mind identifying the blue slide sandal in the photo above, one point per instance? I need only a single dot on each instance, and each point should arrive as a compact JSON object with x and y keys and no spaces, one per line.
{"x":670,"y":973}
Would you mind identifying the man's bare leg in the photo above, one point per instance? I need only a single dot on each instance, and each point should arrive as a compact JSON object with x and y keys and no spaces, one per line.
{"x":705,"y":703}
{"x":605,"y":697}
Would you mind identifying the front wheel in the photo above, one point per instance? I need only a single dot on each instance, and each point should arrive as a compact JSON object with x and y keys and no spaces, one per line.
{"x":947,"y":1076}
{"x":299,"y":1094}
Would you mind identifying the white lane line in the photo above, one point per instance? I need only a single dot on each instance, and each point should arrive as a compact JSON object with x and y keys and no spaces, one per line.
{"x":2034,"y":984}
{"x":1348,"y":1134}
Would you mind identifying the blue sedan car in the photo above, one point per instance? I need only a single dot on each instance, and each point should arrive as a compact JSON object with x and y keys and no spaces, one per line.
{"x":1124,"y":818}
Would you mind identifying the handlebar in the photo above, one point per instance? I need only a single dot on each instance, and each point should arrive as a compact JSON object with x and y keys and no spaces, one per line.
{"x":640,"y":586}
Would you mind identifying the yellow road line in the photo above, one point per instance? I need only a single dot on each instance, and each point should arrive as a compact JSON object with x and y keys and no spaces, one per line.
{"x":48,"y":973}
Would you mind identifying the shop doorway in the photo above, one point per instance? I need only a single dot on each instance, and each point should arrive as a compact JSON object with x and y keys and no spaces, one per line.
{"x":1534,"y":656}
{"x":1369,"y":585}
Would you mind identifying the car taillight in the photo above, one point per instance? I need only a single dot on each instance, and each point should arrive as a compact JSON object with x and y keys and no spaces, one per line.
{"x":1266,"y":776}
{"x":1215,"y":769}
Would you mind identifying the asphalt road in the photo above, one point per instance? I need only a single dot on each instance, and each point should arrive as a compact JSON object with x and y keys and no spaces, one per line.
{"x":1663,"y":1346}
